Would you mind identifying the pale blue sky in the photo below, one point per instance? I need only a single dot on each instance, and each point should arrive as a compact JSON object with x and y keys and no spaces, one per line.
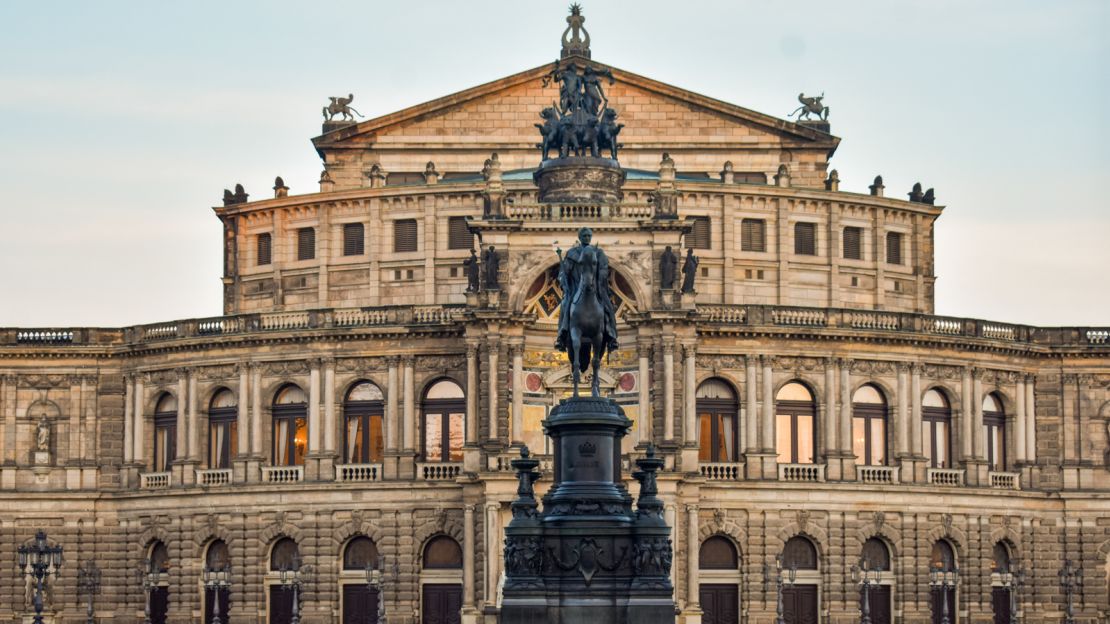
{"x":121,"y":123}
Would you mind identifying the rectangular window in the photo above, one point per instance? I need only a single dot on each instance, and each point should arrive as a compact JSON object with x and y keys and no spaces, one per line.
{"x":404,"y":178}
{"x":700,"y":235}
{"x":165,"y":442}
{"x":894,"y":248}
{"x":354,"y":239}
{"x":458,"y":235}
{"x":263,"y":253}
{"x":306,"y":244}
{"x":805,"y":239}
{"x":853,"y":249}
{"x":753,"y":235}
{"x":223,"y":442}
{"x":404,"y":235}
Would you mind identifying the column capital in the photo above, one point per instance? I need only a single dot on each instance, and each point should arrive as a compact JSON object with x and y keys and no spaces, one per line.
{"x":903,"y":367}
{"x":315,"y":363}
{"x":976,"y":373}
{"x":689,"y":349}
{"x":181,"y":372}
{"x":917,"y":368}
{"x":767,"y":361}
{"x":469,"y":508}
{"x":408,"y":360}
{"x":644,"y":343}
{"x":843,"y":363}
{"x":492,"y":506}
{"x":392,"y":361}
{"x":692,"y":508}
{"x":329,"y":362}
{"x":516,"y":348}
{"x":1030,"y":378}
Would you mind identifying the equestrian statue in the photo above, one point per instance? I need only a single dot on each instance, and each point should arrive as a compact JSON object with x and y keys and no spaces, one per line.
{"x":587,"y":316}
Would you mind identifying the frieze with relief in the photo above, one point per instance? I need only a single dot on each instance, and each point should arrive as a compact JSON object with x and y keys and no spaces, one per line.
{"x":873,"y":367}
{"x":441,"y":362}
{"x":359,"y":365}
{"x":941,"y":371}
{"x":297,"y":367}
{"x":721,"y":362}
{"x":799,"y":363}
{"x":222,"y":372}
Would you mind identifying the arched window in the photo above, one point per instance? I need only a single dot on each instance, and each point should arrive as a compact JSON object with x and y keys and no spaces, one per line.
{"x":217,"y":557}
{"x":994,"y":422}
{"x":165,"y":432}
{"x":444,"y":415}
{"x":799,"y":553}
{"x":936,"y":416}
{"x":1000,"y":558}
{"x":943,"y":558}
{"x":442,"y":553}
{"x":223,"y":429}
{"x":876,"y":554}
{"x":718,"y":553}
{"x":360,"y":553}
{"x":363,"y":408}
{"x":796,"y":432}
{"x":290,"y":420}
{"x":159,"y":557}
{"x":869,"y":426}
{"x":285,"y":555}
{"x":717,"y":423}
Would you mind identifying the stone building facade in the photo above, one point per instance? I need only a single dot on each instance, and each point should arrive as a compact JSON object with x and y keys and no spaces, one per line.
{"x":356,"y":399}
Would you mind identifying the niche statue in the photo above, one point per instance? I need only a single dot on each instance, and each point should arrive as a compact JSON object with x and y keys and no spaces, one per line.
{"x":668,"y":263}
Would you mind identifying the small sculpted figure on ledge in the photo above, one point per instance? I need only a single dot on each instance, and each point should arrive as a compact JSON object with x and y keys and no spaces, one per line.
{"x":473,"y":272}
{"x":668,"y":263}
{"x":491,"y":263}
{"x":689,"y":271}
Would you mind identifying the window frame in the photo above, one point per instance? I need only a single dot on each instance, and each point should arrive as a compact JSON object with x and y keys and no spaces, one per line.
{"x":164,"y":421}
{"x":443,"y":408}
{"x":290,"y":412}
{"x":306,"y":244}
{"x":264,"y":241}
{"x":366,"y":412}
{"x":930,"y":418}
{"x":858,"y":232}
{"x":894,"y":253}
{"x":795,"y":409}
{"x":223,"y":417}
{"x":350,"y":248}
{"x":799,"y":226}
{"x":995,"y":420}
{"x":454,"y":230}
{"x":749,"y":226}
{"x":717,"y":410}
{"x":869,"y":412}
{"x":399,"y":223}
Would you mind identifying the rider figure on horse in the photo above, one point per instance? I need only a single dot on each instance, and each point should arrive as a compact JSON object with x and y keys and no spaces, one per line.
{"x":569,"y":275}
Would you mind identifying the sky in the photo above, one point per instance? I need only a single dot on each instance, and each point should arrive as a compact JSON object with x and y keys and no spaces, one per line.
{"x":121,"y":122}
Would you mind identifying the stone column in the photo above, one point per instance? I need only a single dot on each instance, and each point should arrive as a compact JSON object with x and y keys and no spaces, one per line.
{"x":314,"y":423}
{"x":979,"y":435}
{"x":670,"y":514}
{"x":966,"y":416}
{"x":468,"y":557}
{"x":243,"y":415}
{"x":329,"y":406}
{"x":751,"y":407}
{"x":183,"y":423}
{"x":768,"y":437}
{"x":668,"y":389}
{"x":471,"y":392}
{"x":256,"y":412}
{"x":128,"y":419}
{"x":137,"y":429}
{"x":903,"y":413}
{"x":194,"y":418}
{"x":916,"y":423}
{"x":830,"y":412}
{"x":689,"y":392}
{"x":1030,"y":420}
{"x":493,"y":345}
{"x":392,"y":423}
{"x":410,"y":405}
{"x":516,"y":350}
{"x":493,"y":528}
{"x":692,"y":593}
{"x":847,"y":462}
{"x":643,"y":420}
{"x":1019,"y":421}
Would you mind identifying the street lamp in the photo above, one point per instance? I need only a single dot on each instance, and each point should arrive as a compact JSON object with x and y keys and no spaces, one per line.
{"x":149,"y":578}
{"x":942,"y":580}
{"x":780,"y":581}
{"x":375,"y":581}
{"x":217,"y":579}
{"x":1071,"y":579}
{"x":865,"y":577}
{"x":88,"y":584}
{"x":290,"y":577}
{"x":36,"y":560}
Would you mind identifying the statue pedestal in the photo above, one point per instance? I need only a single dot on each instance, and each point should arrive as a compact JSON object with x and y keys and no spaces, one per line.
{"x":579,"y":180}
{"x":588,"y":557}
{"x":42,"y":458}
{"x":493,"y":298}
{"x":472,"y":298}
{"x":666,"y":298}
{"x":688,"y":300}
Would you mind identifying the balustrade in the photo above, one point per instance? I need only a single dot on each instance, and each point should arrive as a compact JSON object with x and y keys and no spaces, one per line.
{"x":285,"y":320}
{"x":1004,"y":480}
{"x":438,"y":471}
{"x":351,"y":473}
{"x":812,"y":473}
{"x":812,"y":317}
{"x":154,"y":480}
{"x":214,"y":477}
{"x":722,"y":471}
{"x":873,"y":320}
{"x":282,"y":474}
{"x":877,"y":475}
{"x":733,"y":315}
{"x":951,"y":477}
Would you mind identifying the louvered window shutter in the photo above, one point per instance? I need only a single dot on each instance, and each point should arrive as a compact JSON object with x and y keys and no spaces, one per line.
{"x":700,"y":236}
{"x":852,"y":239}
{"x":404,"y":235}
{"x":753,"y":235}
{"x":805,"y":239}
{"x":264,"y":253}
{"x":458,"y":236}
{"x":894,"y":248}
{"x":306,"y":244}
{"x":354,"y":239}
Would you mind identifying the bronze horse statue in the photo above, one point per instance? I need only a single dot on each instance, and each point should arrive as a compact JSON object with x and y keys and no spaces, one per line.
{"x":586,"y":324}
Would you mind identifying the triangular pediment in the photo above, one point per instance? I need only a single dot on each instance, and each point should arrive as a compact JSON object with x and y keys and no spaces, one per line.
{"x":499,"y":115}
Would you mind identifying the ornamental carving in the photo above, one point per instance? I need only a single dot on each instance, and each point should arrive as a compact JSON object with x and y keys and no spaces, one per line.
{"x":359,"y":365}
{"x":873,"y":367}
{"x":652,"y":557}
{"x":218,"y":373}
{"x":282,"y":369}
{"x":941,"y":371}
{"x":799,"y":363}
{"x":524,"y":556}
{"x":441,"y":362}
{"x":42,"y":381}
{"x":721,"y":362}
{"x":589,"y":559}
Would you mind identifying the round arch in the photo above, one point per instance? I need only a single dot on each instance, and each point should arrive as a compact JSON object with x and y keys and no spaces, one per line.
{"x":541,"y":286}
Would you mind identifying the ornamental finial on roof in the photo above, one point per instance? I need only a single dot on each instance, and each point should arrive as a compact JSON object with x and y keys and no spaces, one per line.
{"x":576,"y":41}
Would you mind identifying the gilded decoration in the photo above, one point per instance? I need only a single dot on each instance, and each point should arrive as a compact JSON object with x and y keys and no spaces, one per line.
{"x":545,"y":293}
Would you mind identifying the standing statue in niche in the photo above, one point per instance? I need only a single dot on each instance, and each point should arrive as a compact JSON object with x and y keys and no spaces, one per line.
{"x":587,"y":317}
{"x":668,"y":263}
{"x":42,"y":435}
{"x":490,"y":264}
{"x":473,"y":272}
{"x":689,"y":271}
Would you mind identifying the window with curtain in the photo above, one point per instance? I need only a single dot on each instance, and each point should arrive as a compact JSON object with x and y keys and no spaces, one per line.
{"x":165,"y":432}
{"x":444,"y":409}
{"x":354,"y":239}
{"x":936,"y":417}
{"x":290,"y":426}
{"x":306,"y":243}
{"x":717,"y":407}
{"x":363,"y":410}
{"x":805,"y":239}
{"x":223,"y":429}
{"x":795,"y":426}
{"x":263,"y":249}
{"x":994,"y":422}
{"x":869,"y":426}
{"x":753,"y":235}
{"x":894,"y":248}
{"x":853,"y":243}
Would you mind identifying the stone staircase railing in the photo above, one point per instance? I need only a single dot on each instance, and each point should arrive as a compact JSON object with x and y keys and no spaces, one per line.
{"x":438,"y":471}
{"x":722,"y":471}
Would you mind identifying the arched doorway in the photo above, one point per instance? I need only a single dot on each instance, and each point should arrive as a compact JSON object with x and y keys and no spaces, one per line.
{"x":1001,"y":583}
{"x":441,"y":582}
{"x":284,"y":556}
{"x":360,"y":601}
{"x":719,"y":581}
{"x":217,"y":557}
{"x":800,"y":600}
{"x":875,"y":556}
{"x":158,"y":566}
